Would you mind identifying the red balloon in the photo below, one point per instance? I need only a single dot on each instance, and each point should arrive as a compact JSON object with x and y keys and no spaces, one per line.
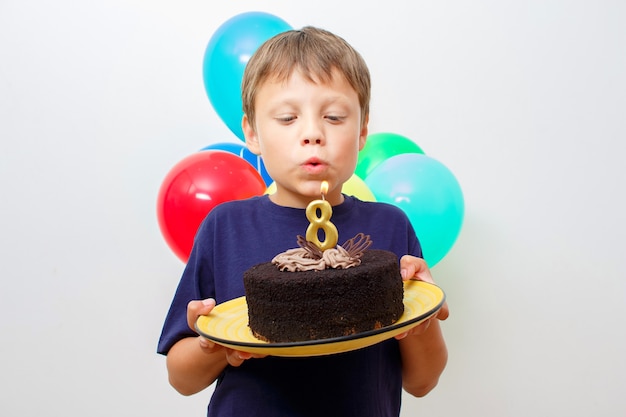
{"x":194,"y":186}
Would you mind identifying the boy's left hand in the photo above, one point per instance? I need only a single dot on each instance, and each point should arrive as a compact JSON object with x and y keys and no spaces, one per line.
{"x":412,"y":267}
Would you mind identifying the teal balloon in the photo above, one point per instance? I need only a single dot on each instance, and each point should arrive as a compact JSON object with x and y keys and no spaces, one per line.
{"x":430,"y":195}
{"x":380,"y":147}
{"x":225,"y":59}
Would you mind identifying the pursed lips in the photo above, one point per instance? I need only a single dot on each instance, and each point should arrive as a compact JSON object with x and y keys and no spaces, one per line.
{"x":314,"y":165}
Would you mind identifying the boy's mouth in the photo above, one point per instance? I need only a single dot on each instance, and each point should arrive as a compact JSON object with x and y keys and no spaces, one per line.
{"x":314,"y":165}
{"x":313,"y":162}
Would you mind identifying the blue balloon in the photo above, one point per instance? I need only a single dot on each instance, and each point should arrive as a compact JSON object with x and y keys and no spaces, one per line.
{"x":242,"y":151}
{"x":428,"y":193}
{"x":225,"y":59}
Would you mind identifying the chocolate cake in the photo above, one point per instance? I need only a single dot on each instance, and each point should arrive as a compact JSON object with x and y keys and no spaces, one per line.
{"x":293,"y":306}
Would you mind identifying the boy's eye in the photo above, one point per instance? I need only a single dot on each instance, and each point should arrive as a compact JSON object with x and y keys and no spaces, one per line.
{"x":285,"y":119}
{"x":334,"y":118}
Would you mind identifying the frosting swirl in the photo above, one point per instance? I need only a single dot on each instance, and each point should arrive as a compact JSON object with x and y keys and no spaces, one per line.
{"x":298,"y":259}
{"x":339,"y":258}
{"x":308,"y":258}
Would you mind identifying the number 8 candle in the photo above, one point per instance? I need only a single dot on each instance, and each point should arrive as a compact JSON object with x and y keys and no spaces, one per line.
{"x":321,"y":222}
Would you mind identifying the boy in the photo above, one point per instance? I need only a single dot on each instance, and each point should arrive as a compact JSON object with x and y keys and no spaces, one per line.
{"x":306,"y":103}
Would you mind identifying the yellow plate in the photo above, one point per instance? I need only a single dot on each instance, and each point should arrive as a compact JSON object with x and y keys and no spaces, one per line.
{"x":227,"y":325}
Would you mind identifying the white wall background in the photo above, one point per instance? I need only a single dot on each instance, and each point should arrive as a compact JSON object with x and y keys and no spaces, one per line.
{"x":525,"y":101}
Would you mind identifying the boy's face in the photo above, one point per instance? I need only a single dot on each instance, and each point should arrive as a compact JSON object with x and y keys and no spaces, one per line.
{"x":306,"y":133}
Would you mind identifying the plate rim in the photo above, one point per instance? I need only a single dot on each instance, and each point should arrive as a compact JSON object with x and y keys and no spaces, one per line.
{"x":320,"y":342}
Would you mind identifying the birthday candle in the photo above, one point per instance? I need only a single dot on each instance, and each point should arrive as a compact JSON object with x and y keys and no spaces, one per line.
{"x":321,"y":222}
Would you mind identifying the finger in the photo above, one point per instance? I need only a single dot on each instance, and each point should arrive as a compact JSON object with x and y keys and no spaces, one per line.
{"x":197,"y":308}
{"x":420,"y":328}
{"x":422,"y":272}
{"x":206,"y":344}
{"x":412,"y":267}
{"x":444,"y":311}
{"x":416,"y":330}
{"x":236,"y":358}
{"x":258,"y":356}
{"x":402,"y":335}
{"x":407,"y":268}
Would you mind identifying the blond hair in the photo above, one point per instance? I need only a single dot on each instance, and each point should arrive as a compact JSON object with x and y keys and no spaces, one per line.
{"x":313,"y":51}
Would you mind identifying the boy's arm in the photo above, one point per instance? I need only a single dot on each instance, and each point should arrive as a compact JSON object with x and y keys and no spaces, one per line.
{"x":191,"y":367}
{"x":423,"y":348}
{"x":424,"y":358}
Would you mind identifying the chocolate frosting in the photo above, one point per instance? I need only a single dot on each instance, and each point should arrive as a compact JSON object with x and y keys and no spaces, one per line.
{"x":308,"y":257}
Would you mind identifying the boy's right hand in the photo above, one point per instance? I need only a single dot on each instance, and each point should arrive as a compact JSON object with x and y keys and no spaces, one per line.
{"x":197,"y":308}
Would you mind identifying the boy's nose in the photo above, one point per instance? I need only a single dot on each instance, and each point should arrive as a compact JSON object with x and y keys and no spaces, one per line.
{"x":307,"y":141}
{"x":313,"y":134}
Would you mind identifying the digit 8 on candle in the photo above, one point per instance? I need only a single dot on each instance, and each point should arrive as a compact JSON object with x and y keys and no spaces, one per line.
{"x":321,"y":222}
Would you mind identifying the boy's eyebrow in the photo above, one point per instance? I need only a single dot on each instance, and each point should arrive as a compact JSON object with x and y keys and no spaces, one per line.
{"x":294,"y":102}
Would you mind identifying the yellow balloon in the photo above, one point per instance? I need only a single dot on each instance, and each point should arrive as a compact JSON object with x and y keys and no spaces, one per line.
{"x":354,"y":186}
{"x":271,"y":189}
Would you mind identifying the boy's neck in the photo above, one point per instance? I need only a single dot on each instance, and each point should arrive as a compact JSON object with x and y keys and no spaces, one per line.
{"x":303,"y":201}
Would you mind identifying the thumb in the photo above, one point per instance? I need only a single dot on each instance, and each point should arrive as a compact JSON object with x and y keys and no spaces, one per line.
{"x":197,"y":308}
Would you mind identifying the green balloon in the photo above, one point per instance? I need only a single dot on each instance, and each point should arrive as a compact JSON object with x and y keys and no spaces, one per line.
{"x":380,"y":147}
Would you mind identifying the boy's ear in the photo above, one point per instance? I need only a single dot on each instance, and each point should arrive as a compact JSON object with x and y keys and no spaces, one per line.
{"x":363,"y":134}
{"x":252,"y":139}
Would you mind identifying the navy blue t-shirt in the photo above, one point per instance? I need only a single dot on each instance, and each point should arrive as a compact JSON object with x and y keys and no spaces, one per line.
{"x":242,"y":233}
